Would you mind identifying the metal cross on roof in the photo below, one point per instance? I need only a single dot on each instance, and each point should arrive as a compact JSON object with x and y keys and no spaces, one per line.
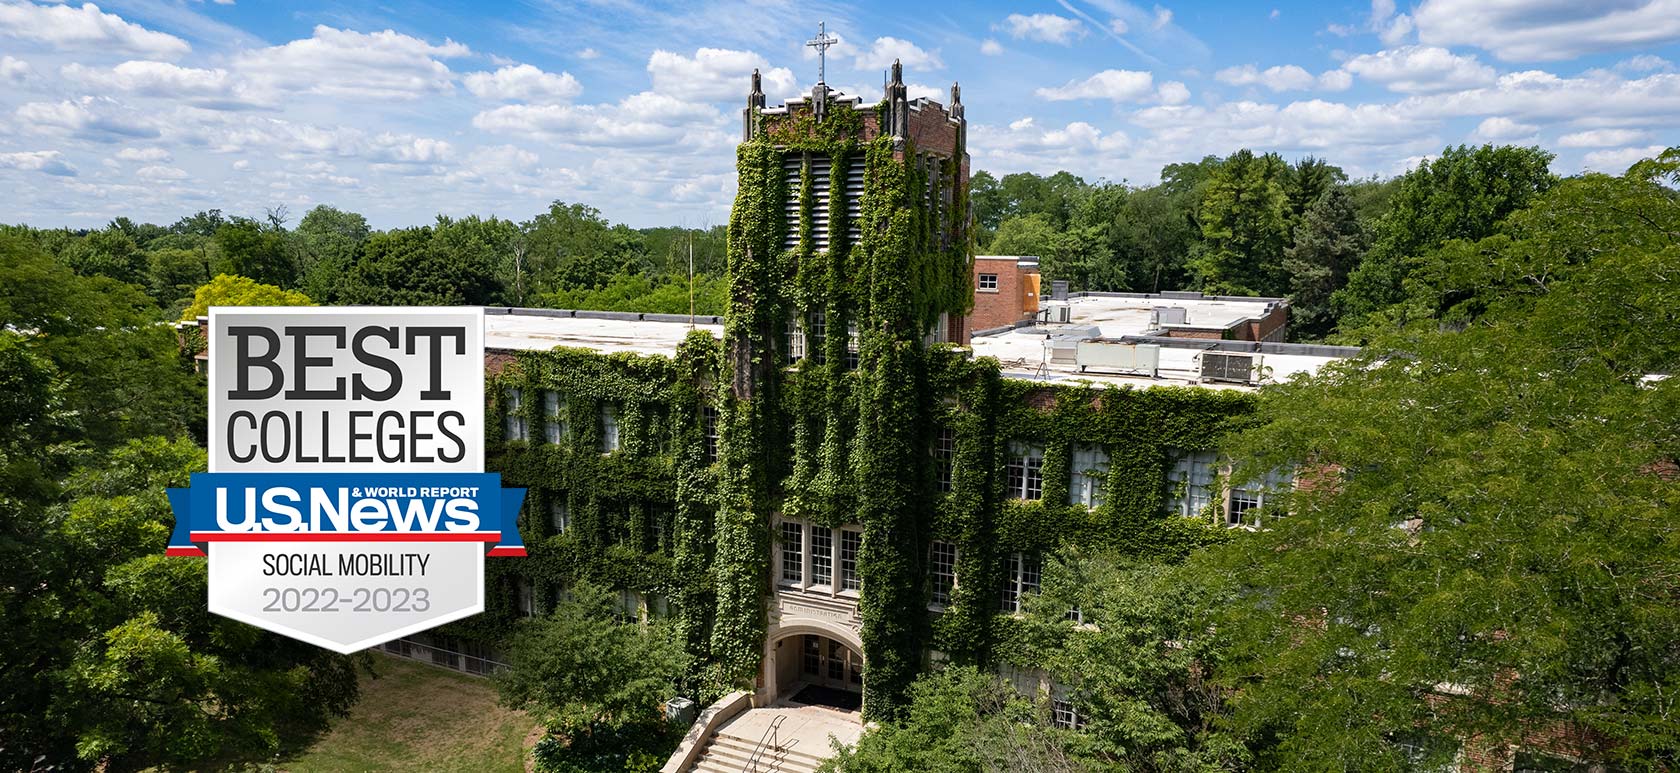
{"x":821,"y":43}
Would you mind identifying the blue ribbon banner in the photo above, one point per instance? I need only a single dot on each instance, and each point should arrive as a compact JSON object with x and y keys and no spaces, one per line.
{"x":346,"y":507}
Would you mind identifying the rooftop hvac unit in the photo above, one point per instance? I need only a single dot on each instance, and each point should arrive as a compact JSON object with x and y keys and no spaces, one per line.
{"x":1233,"y":368}
{"x":1058,"y":290}
{"x":1056,"y":314}
{"x":1064,"y":352}
{"x":1167,"y":315}
{"x":1134,"y":359}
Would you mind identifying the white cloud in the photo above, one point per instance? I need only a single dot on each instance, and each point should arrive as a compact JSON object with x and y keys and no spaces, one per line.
{"x":1617,"y":161}
{"x":522,"y":83}
{"x":1601,"y":138}
{"x":1502,"y":129}
{"x":1645,"y":63}
{"x":1548,"y":30}
{"x":409,"y":149}
{"x":87,"y":28}
{"x":345,"y":63}
{"x":209,"y":88}
{"x":884,"y":51}
{"x":1119,"y":26}
{"x":46,"y":161}
{"x":158,"y":173}
{"x":990,"y":47}
{"x":1024,"y":145}
{"x":1044,"y":27}
{"x":640,"y":120}
{"x":1163,"y":17}
{"x":1391,"y":29}
{"x":717,"y":75}
{"x":91,"y":118}
{"x":1280,"y":78}
{"x":588,"y":53}
{"x":1173,"y":93}
{"x":1335,"y":80}
{"x":1419,"y":69}
{"x":1115,"y":85}
{"x":148,"y":155}
{"x":14,"y":70}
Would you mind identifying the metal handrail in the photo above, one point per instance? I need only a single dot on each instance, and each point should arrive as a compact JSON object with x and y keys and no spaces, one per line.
{"x":772,"y":735}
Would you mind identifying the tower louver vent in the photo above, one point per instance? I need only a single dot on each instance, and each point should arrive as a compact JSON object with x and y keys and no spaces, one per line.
{"x":820,"y":184}
{"x":1235,"y":368}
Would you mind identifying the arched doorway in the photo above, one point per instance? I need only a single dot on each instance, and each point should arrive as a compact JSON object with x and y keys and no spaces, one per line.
{"x":813,"y":666}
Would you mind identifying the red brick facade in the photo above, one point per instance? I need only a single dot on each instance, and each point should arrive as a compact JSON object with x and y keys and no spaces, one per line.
{"x":1009,"y":303}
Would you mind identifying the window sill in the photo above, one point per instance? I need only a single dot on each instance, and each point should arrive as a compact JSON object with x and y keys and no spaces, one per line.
{"x":984,"y":290}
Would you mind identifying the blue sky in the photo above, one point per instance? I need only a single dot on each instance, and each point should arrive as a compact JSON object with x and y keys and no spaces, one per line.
{"x":403,"y":110}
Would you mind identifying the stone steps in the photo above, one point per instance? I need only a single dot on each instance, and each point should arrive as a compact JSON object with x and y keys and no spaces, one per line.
{"x":731,"y":754}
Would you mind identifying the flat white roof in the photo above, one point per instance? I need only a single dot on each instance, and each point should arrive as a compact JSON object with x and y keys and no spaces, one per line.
{"x":1024,"y":353}
{"x":625,"y":333}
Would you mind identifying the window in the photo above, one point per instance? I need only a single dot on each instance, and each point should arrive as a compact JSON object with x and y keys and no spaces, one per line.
{"x":942,"y":570}
{"x":1075,"y":615}
{"x":554,"y":415}
{"x":559,"y":593}
{"x":822,"y":555}
{"x":819,"y":335}
{"x":850,"y":543}
{"x":628,"y":608}
{"x":988,"y":283}
{"x":945,"y":456}
{"x":1192,"y":479}
{"x":793,"y":552}
{"x":527,"y":602}
{"x":1248,"y":499}
{"x":609,"y":429}
{"x":1020,"y":578}
{"x":851,"y":345}
{"x":560,"y":515}
{"x":658,"y":518}
{"x":515,"y":415}
{"x":812,"y":660}
{"x":1063,"y":714}
{"x":1090,"y":471}
{"x":1026,"y":471}
{"x":795,"y":339}
{"x":1429,"y":753}
{"x":709,"y":425}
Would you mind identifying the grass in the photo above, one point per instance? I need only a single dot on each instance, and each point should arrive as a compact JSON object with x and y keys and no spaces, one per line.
{"x":414,"y":716}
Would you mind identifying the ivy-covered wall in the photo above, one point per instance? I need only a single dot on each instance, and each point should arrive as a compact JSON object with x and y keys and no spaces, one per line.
{"x":827,"y":442}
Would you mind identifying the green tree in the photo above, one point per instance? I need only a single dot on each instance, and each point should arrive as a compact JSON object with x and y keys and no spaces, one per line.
{"x":1488,"y":543}
{"x":960,"y":720}
{"x":1328,"y":242}
{"x":597,"y":683}
{"x":1558,"y":234}
{"x":636,"y":292}
{"x":1137,"y":665}
{"x":328,"y":238}
{"x":1464,"y":194}
{"x":229,"y":290}
{"x":1073,"y":254}
{"x":412,"y":267}
{"x":121,"y":373}
{"x":109,"y":252}
{"x":174,"y":273}
{"x":1307,"y":181}
{"x":573,"y":246}
{"x":114,"y":662}
{"x":248,"y":248}
{"x":1245,"y":227}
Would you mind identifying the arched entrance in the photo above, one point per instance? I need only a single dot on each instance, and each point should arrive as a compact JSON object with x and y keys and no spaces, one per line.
{"x":813,"y":665}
